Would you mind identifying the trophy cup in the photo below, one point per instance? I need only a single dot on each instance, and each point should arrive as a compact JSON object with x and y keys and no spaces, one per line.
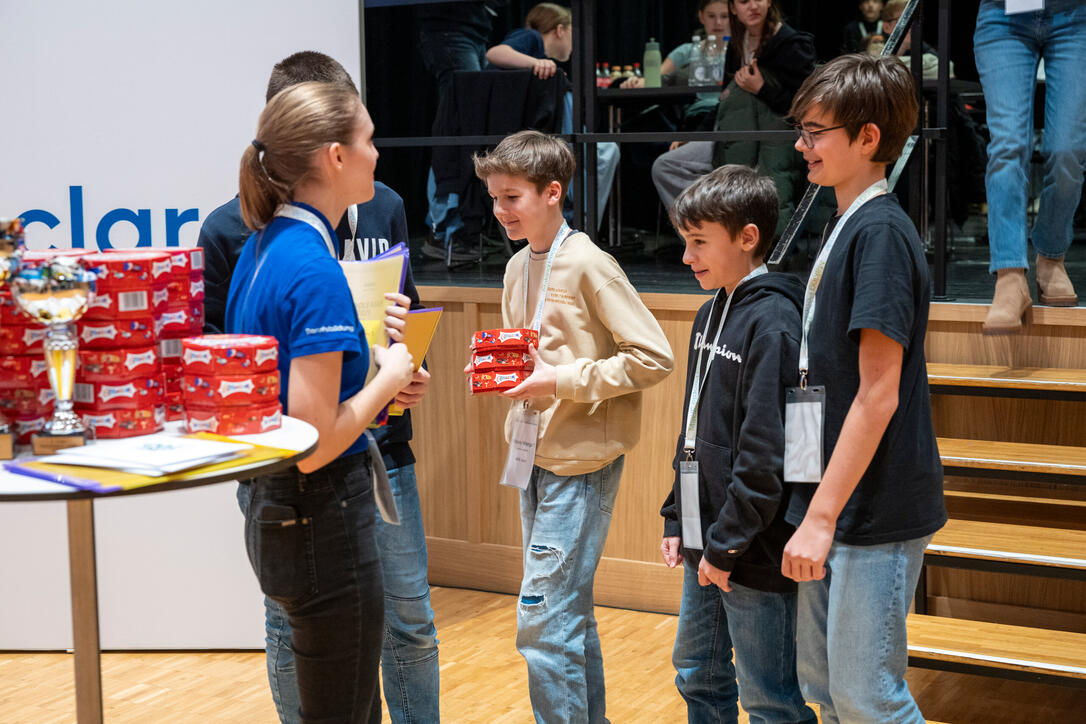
{"x":56,"y":293}
{"x":11,"y":250}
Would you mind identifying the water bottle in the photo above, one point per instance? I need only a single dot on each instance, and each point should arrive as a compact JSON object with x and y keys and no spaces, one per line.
{"x":652,"y":64}
{"x":712,"y":60}
{"x":721,"y":61}
{"x":697,"y":66}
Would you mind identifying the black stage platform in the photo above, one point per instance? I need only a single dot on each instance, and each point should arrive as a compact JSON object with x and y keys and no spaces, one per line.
{"x":656,"y":266}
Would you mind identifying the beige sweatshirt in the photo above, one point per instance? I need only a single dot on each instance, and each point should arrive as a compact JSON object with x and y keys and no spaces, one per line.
{"x":606,"y":345}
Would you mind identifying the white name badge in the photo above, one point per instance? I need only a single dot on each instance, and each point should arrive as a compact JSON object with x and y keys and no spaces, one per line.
{"x":521,"y":458}
{"x":804,"y":416}
{"x":1024,"y":6}
{"x":691,"y":514}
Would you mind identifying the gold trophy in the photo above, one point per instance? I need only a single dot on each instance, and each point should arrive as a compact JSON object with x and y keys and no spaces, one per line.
{"x":56,"y":293}
{"x":11,"y":251}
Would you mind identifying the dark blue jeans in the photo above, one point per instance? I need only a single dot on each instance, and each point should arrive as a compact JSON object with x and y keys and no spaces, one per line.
{"x":310,"y":539}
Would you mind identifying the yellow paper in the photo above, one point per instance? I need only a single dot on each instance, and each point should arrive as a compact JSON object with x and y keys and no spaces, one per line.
{"x":418,"y":333}
{"x":369,"y":281}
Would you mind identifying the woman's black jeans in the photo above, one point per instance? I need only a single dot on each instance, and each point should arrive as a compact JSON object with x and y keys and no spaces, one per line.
{"x":310,"y":542}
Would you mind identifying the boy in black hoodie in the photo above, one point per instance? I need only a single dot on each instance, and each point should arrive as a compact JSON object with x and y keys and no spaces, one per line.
{"x":724,"y":518}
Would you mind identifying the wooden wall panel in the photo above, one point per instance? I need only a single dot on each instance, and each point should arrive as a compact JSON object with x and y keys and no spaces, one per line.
{"x":473,"y":523}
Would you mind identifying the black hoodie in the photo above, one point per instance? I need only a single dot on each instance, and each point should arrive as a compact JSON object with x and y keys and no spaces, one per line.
{"x":740,"y":440}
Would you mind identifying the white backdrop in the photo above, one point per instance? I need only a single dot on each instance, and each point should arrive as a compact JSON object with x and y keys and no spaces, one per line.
{"x":138,"y":112}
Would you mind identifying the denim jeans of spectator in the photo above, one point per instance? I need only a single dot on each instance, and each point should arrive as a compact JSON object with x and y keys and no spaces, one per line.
{"x":1007,"y":50}
{"x":409,"y":655}
{"x":310,"y":540}
{"x":761,"y":629}
{"x":607,"y":157}
{"x":850,"y":633}
{"x":442,"y":53}
{"x":564,"y":522}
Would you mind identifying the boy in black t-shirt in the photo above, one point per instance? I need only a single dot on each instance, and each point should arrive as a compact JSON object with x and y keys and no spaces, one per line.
{"x":724,"y":518}
{"x":862,"y":530}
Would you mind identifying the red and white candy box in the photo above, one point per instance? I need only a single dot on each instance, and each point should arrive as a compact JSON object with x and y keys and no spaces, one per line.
{"x":177,"y":319}
{"x":26,"y":426}
{"x":115,"y":333}
{"x":483,"y":382}
{"x":230,"y":390}
{"x":186,"y":261}
{"x":10,"y":312}
{"x":117,"y":365}
{"x":128,"y":395}
{"x":127,"y":303}
{"x":234,"y":420}
{"x":501,"y":361}
{"x":18,"y":339}
{"x":504,"y":339}
{"x":23,"y":372}
{"x":125,"y":423}
{"x":28,"y":402}
{"x":229,"y":354}
{"x":129,"y":268}
{"x":175,"y":408}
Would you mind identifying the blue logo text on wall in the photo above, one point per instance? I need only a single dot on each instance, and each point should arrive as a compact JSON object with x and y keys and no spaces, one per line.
{"x":140,"y":219}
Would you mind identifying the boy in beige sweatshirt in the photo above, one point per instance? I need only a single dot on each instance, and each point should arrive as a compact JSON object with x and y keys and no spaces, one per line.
{"x":599,"y":347}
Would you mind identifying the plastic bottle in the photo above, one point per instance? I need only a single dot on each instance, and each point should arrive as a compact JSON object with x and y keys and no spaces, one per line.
{"x":627,"y":71}
{"x":652,"y":62}
{"x":604,"y":79}
{"x":718,"y":69}
{"x":616,"y":72}
{"x":637,"y":70}
{"x":696,"y":74}
{"x":711,"y":59}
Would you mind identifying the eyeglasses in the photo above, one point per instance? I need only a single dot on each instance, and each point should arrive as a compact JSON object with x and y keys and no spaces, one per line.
{"x":809,"y":137}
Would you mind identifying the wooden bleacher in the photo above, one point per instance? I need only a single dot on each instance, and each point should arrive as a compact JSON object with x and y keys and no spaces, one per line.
{"x":1046,"y":550}
{"x":1014,"y":652}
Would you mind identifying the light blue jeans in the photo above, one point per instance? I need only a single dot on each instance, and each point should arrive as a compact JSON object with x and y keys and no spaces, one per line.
{"x":564,"y":522}
{"x":850,"y":633}
{"x":409,"y":655}
{"x":1007,"y":50}
{"x":761,"y":627}
{"x":607,"y":157}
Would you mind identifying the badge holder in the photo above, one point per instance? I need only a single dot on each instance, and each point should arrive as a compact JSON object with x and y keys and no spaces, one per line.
{"x":521,"y":457}
{"x":804,"y":418}
{"x":691,"y":510}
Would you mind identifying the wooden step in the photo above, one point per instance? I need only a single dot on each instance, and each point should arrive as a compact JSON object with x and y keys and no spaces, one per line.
{"x":1042,"y":382}
{"x":1031,"y":550}
{"x":1016,"y":652}
{"x":1018,"y":460}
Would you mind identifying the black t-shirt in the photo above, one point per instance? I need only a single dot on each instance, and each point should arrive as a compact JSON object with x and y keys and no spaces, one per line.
{"x":877,"y":278}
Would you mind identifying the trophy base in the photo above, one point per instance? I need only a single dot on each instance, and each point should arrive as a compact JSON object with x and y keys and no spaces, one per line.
{"x":7,"y":446}
{"x":46,"y":444}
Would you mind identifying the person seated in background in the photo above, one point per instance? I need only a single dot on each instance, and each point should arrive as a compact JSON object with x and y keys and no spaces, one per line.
{"x":891,"y":13}
{"x":713,"y":16}
{"x":547,"y":36}
{"x":858,"y":32}
{"x":766,"y":62}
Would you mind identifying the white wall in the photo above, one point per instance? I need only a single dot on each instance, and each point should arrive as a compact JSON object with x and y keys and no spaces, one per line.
{"x":144,"y":106}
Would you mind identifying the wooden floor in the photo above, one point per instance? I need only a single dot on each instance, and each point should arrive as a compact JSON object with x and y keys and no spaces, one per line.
{"x":482,"y":679}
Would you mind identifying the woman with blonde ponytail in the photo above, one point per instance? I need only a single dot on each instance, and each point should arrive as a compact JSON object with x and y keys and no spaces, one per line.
{"x":309,"y":530}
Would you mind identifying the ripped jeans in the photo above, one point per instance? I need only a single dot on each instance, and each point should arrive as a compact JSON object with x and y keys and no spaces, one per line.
{"x":564,"y":523}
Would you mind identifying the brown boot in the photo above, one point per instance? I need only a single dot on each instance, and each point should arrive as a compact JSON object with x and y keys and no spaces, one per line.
{"x":1053,"y":286}
{"x":1010,"y":303}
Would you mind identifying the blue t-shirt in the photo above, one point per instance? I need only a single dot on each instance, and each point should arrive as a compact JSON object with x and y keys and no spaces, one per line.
{"x":286,"y":285}
{"x":527,"y":41}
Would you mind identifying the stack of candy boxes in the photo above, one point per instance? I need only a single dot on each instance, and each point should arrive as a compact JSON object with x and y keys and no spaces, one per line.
{"x":230,"y":384}
{"x":182,"y":317}
{"x":26,"y":398}
{"x":120,"y":388}
{"x":500,"y":359}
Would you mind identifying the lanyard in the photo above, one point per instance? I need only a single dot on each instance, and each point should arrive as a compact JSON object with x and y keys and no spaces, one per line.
{"x":298,"y":214}
{"x":308,"y":217}
{"x":698,"y":385}
{"x":876,"y":189}
{"x":559,"y":239}
{"x":352,"y":222}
